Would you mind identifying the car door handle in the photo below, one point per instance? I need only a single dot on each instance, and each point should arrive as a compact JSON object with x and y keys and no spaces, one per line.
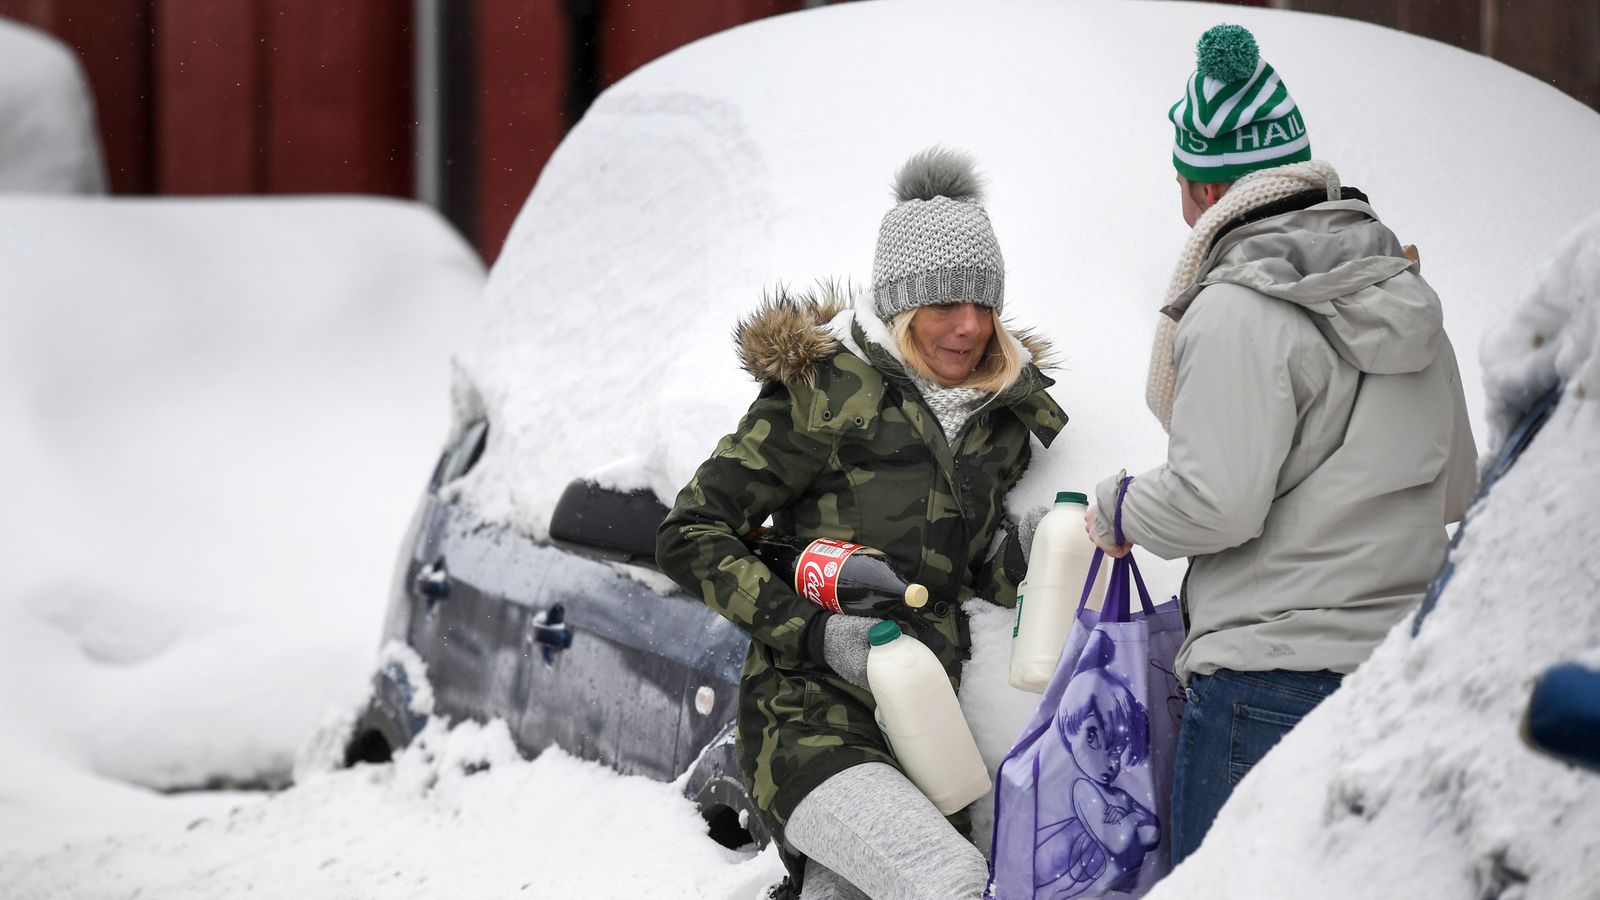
{"x":432,"y":581}
{"x":550,"y":629}
{"x":554,"y":636}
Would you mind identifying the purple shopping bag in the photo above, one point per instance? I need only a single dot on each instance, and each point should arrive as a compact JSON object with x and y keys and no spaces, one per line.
{"x":1082,"y":802}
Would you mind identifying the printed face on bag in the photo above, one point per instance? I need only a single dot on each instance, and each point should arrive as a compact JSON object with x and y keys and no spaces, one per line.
{"x":1097,"y":751}
{"x":1102,"y":724}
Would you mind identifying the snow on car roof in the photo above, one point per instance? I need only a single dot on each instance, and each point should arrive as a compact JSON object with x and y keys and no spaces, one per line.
{"x":217,"y":413}
{"x":763,"y":155}
{"x":48,"y":139}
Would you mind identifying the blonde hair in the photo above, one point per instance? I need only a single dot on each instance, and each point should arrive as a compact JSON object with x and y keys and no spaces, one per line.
{"x":999,"y":368}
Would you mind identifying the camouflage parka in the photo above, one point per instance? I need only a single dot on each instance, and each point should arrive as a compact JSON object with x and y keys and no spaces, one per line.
{"x":840,"y":444}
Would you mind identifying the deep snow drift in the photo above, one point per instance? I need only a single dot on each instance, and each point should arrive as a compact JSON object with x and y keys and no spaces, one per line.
{"x":457,"y":815}
{"x":217,"y":415}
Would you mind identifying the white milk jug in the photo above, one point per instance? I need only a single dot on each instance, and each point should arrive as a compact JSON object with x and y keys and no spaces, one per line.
{"x":1047,"y":599}
{"x":919,"y":714}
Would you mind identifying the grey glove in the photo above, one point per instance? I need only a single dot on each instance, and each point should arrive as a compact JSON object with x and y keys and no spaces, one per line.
{"x":1028,"y":525}
{"x":845,"y":646}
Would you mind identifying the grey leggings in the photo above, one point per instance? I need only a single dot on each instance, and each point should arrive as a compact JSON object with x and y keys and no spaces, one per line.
{"x":867,"y":832}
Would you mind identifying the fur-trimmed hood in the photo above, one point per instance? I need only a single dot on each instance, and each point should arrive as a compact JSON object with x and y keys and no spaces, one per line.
{"x":791,"y":332}
{"x":788,"y":334}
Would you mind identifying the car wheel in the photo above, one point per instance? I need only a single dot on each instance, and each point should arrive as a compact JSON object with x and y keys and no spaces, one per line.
{"x":388,"y":722}
{"x":717,"y":788}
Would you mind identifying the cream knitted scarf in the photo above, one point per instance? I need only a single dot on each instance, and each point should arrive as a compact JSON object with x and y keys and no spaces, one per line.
{"x":1252,"y":191}
{"x":951,"y":406}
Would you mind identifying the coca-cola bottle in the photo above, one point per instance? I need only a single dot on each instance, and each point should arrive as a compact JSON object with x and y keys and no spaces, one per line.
{"x":839,"y":576}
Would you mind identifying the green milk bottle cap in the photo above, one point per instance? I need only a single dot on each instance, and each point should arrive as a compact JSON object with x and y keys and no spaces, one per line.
{"x":882,"y":633}
{"x":1072,"y":497}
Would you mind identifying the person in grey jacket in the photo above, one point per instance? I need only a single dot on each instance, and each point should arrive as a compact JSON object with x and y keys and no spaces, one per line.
{"x":1318,"y":440}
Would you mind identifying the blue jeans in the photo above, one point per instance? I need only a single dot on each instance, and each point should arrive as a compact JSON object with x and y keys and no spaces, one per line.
{"x":1231,"y":720}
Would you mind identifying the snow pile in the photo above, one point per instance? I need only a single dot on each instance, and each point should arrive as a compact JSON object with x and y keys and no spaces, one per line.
{"x":218,"y":416}
{"x":685,"y":192}
{"x":1553,"y":337}
{"x":49,"y":142}
{"x":1412,"y":781}
{"x":458,"y":814}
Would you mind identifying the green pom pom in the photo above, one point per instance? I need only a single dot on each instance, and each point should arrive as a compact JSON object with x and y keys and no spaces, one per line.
{"x":1227,"y":53}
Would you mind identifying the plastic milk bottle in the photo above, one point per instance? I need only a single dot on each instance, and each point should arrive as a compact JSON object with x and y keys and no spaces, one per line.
{"x":1047,"y":599}
{"x":919,"y":714}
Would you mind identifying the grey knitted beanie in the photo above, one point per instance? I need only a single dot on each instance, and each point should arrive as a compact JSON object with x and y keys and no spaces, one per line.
{"x":936,"y":244}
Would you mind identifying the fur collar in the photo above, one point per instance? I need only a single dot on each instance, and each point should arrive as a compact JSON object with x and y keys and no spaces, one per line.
{"x":791,"y":332}
{"x":788,"y":334}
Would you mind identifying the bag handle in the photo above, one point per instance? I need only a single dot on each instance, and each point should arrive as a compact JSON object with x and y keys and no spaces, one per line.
{"x":1115,"y":607}
{"x":1119,"y":590}
{"x":1144,"y":594}
{"x":1088,"y":584}
{"x":1116,"y":517}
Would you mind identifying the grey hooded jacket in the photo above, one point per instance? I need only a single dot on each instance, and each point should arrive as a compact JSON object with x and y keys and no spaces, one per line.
{"x":1319,"y":444}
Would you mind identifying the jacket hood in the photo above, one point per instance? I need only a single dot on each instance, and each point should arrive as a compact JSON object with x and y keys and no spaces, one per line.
{"x":793,"y":331}
{"x":1345,"y":268}
{"x":787,"y":335}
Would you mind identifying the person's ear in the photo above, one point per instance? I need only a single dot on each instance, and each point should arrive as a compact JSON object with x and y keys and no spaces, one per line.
{"x":1213,"y":193}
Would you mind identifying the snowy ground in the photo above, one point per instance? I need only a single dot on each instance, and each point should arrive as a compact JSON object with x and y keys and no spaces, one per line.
{"x":222,"y":412}
{"x":458,"y":815}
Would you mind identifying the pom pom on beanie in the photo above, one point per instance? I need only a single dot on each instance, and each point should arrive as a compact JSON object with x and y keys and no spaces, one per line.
{"x":1227,"y":53}
{"x":938,"y":172}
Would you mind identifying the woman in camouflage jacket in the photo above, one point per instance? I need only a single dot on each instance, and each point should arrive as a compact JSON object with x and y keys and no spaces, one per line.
{"x":900,"y":425}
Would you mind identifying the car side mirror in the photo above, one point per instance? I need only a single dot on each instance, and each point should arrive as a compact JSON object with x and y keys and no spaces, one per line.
{"x":607,"y":524}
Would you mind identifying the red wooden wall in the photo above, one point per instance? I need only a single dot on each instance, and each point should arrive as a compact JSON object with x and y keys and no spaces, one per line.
{"x":244,"y":96}
{"x":1553,"y":40}
{"x":308,"y":96}
{"x":209,"y":69}
{"x":522,"y":61}
{"x":338,"y":95}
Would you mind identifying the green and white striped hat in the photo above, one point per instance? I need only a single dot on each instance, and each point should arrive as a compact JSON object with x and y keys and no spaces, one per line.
{"x":1236,"y":116}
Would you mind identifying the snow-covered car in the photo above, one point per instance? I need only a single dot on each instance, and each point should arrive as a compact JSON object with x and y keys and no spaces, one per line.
{"x":571,"y":641}
{"x":604,"y":373}
{"x":49,"y":142}
{"x":179,"y":380}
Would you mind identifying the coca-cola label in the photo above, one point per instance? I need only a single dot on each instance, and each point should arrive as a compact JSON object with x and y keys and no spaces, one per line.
{"x":816,"y":575}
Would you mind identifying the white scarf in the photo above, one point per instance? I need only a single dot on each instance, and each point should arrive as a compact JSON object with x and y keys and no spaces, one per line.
{"x":951,"y":406}
{"x":1254,"y":190}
